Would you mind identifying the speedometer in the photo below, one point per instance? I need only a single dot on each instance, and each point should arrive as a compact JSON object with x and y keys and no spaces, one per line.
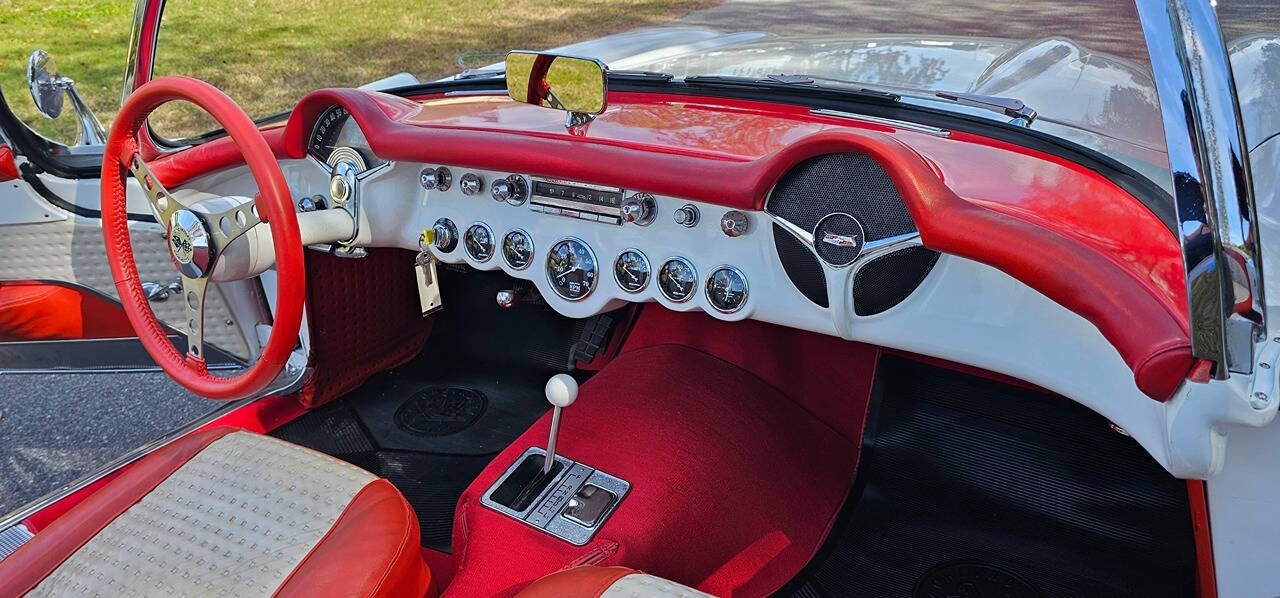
{"x":324,"y":137}
{"x":572,"y":269}
{"x":336,"y":129}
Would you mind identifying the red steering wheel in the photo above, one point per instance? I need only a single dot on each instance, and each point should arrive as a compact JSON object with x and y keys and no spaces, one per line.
{"x":198,"y":236}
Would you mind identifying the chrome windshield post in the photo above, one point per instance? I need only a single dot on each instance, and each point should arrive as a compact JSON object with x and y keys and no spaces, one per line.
{"x":1212,"y":184}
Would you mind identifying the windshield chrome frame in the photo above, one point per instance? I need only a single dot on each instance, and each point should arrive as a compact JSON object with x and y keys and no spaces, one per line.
{"x":1212,"y":183}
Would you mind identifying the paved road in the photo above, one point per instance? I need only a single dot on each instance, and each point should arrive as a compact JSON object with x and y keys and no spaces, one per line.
{"x":55,"y":429}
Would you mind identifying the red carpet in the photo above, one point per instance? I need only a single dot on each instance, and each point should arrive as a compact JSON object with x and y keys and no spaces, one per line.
{"x":733,"y":484}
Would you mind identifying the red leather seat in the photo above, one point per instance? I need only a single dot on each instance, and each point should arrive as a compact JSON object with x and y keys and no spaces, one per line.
{"x":227,"y":512}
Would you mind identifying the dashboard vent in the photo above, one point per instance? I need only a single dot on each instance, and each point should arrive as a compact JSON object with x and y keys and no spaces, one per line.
{"x":857,"y":185}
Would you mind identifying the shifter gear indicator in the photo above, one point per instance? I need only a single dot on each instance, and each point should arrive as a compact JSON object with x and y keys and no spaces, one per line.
{"x":572,"y":505}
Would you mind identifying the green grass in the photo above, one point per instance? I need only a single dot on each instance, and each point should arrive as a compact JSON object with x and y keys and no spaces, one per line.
{"x":268,"y":54}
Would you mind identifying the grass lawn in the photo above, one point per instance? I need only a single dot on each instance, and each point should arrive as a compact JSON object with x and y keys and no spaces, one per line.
{"x":268,"y":53}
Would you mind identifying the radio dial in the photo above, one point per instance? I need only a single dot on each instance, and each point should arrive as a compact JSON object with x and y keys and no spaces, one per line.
{"x":512,"y":190}
{"x":639,"y":209}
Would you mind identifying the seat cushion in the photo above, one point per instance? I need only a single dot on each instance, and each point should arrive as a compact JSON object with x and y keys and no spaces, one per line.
{"x":606,"y":582}
{"x":227,"y":512}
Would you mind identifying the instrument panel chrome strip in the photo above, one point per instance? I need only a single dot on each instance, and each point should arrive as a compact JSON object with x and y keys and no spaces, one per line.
{"x":888,"y":122}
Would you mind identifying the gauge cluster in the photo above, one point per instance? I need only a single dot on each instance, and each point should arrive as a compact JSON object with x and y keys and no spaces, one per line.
{"x":591,"y":247}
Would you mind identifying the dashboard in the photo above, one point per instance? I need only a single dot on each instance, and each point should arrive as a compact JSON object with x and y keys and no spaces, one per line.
{"x":936,"y":242}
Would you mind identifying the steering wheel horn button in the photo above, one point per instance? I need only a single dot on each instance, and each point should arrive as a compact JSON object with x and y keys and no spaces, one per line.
{"x":189,"y":243}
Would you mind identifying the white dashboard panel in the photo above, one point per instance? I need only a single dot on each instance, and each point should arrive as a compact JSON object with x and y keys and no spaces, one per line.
{"x":964,"y":311}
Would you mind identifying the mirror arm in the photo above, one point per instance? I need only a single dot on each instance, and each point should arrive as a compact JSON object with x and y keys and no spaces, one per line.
{"x":91,"y":130}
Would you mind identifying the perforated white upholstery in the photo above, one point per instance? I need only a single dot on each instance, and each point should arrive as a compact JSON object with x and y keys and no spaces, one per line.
{"x":643,"y":585}
{"x":235,"y":520}
{"x":72,"y":250}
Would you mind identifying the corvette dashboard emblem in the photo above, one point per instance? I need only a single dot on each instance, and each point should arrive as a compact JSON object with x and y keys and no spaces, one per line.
{"x":839,"y":240}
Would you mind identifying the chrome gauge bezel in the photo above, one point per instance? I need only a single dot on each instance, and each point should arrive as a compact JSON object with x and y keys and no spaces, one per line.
{"x":661,"y":289}
{"x":648,"y":266}
{"x":493,"y":242}
{"x":746,"y":288}
{"x":547,"y":268}
{"x":502,"y":248}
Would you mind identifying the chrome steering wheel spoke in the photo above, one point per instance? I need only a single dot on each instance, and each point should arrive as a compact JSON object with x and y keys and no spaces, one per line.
{"x":227,"y":226}
{"x":193,"y":290}
{"x":162,"y":202}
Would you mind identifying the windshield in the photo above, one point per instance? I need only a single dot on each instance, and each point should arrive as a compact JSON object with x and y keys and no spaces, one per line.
{"x":1081,"y":65}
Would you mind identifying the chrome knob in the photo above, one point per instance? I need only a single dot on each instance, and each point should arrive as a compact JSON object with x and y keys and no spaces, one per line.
{"x":307,"y":204}
{"x":687,"y":216}
{"x":470,"y":183}
{"x":506,"y":299}
{"x":435,"y":178}
{"x":444,"y":235}
{"x":734,"y":223}
{"x":511,"y":190}
{"x":639,"y":209}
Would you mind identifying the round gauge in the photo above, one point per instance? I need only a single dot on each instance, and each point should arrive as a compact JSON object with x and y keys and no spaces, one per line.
{"x":727,"y":289}
{"x":479,"y":242}
{"x":677,"y":279}
{"x":631,"y":270}
{"x":572,"y":269}
{"x":517,"y":249}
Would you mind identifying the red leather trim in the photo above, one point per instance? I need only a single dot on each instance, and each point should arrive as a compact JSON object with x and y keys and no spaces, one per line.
{"x":1206,"y":576}
{"x":275,"y":205}
{"x":8,"y":169}
{"x":371,"y":551}
{"x":35,"y":310}
{"x":1058,"y":236}
{"x":578,"y":582}
{"x":35,"y":560}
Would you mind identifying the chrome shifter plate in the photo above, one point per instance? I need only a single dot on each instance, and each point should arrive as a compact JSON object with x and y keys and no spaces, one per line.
{"x":547,"y":512}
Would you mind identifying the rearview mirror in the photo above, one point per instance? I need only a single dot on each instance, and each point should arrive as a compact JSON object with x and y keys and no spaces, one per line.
{"x":576,"y":85}
{"x":46,"y":90}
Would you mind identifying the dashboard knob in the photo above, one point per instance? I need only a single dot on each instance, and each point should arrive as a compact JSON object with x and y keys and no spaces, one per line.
{"x":470,"y":183}
{"x":511,"y":190}
{"x":639,"y":209}
{"x":734,"y":223}
{"x":687,"y":216}
{"x":435,"y":178}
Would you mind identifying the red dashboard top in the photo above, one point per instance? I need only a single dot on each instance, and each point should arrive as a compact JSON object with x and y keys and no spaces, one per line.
{"x":1061,"y":228}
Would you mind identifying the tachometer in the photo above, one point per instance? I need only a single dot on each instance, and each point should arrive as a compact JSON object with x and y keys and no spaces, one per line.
{"x":572,"y":269}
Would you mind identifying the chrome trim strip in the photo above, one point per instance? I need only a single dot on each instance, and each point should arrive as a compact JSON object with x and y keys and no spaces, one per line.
{"x":17,"y":516}
{"x":803,"y":235}
{"x":888,"y":122}
{"x":1212,"y":183}
{"x":13,"y":538}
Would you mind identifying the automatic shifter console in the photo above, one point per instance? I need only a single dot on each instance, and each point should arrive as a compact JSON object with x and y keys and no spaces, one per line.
{"x":564,"y":498}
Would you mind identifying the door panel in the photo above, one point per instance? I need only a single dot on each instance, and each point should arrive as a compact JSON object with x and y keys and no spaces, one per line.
{"x":69,"y":248}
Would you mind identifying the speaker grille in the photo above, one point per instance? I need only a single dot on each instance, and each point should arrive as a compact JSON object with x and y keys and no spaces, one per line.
{"x":851,"y":183}
{"x":886,"y":281}
{"x":801,"y":266}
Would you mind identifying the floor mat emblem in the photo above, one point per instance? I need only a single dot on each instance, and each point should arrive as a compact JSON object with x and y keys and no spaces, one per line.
{"x":972,"y":580}
{"x":440,"y":411}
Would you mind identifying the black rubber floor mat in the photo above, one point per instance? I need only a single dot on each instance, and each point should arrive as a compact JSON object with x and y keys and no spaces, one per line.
{"x":974,"y":488}
{"x":388,"y":406}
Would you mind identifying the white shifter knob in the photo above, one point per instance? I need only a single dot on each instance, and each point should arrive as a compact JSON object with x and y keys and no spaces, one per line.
{"x":562,"y":390}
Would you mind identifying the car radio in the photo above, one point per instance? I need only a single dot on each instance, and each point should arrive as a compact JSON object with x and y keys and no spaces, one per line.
{"x":597,"y":203}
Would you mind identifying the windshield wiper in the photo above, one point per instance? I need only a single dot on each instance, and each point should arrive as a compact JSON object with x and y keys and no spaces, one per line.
{"x":794,"y":82}
{"x":1010,"y":107}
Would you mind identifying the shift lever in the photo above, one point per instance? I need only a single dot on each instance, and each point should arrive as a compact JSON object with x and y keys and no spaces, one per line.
{"x":562,"y":391}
